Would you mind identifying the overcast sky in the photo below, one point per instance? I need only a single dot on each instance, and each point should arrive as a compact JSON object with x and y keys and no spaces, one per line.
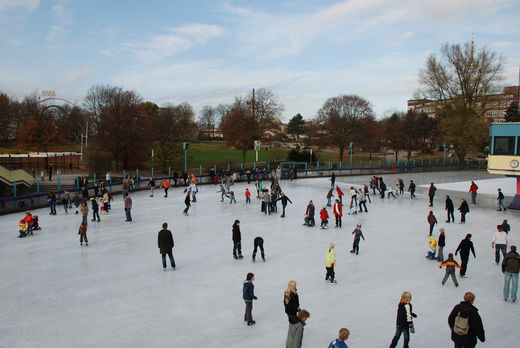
{"x":206,"y":52}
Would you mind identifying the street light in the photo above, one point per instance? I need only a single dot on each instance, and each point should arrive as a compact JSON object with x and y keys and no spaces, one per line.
{"x":185,"y":146}
{"x":351,"y":145}
{"x":444,"y":150}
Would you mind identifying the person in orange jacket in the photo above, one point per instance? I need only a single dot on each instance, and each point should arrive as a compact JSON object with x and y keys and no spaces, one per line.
{"x":28,"y":220}
{"x":450,"y":264}
{"x":324,"y":216}
{"x":166,"y":185}
{"x":338,"y":212}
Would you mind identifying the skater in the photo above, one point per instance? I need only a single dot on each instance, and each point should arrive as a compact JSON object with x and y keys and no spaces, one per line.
{"x":223,"y":192}
{"x":382,"y":187}
{"x":258,"y":243}
{"x":499,"y":242}
{"x":84,"y":211}
{"x":366,"y":192}
{"x":340,"y":194}
{"x":193,"y":189}
{"x":284,"y":200}
{"x":411,"y":189}
{"x":332,"y":180}
{"x":404,"y":323}
{"x":432,"y":220}
{"x":353,"y":196}
{"x":291,"y":302}
{"x":449,"y":209}
{"x":324,"y":216}
{"x":166,"y":244}
{"x":391,"y":192}
{"x":505,"y":227}
{"x":51,"y":199}
{"x":310,"y":214}
{"x":166,"y":185}
{"x":450,"y":265}
{"x":248,"y":196}
{"x":500,"y":200}
{"x":151,"y":186}
{"x":362,"y":202}
{"x":187,"y":202}
{"x":95,"y":209}
{"x":232,"y":197}
{"x":465,"y":247}
{"x":401,"y":186}
{"x":77,"y":201}
{"x":338,"y":212}
{"x":473,"y":191}
{"x":237,"y":237}
{"x":329,"y":197}
{"x":464,"y":209}
{"x":128,"y":208}
{"x":295,"y":333}
{"x":340,"y":341}
{"x":248,"y":295}
{"x":65,"y":204}
{"x":106,"y":201}
{"x":267,"y":202}
{"x":330,"y":261}
{"x":28,"y":224}
{"x":83,"y":233}
{"x":66,"y":194}
{"x":431,"y":193}
{"x":357,"y":236}
{"x":510,"y":268}
{"x":441,"y":245}
{"x":465,"y":323}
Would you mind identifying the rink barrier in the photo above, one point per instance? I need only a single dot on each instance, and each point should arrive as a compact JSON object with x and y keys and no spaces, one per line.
{"x":39,"y":200}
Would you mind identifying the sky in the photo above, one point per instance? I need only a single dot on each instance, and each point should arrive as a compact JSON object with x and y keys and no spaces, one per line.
{"x":207,"y":52}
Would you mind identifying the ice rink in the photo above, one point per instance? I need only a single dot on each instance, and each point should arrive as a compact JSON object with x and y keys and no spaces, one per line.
{"x":114,"y":293}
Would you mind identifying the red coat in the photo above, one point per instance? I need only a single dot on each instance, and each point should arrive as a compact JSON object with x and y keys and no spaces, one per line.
{"x":338,"y":209}
{"x":248,"y":193}
{"x":473,"y":188}
{"x":340,"y":193}
{"x":323,"y":214}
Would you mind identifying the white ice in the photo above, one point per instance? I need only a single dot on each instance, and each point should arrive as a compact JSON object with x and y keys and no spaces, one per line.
{"x":114,"y":292}
{"x":487,"y":186}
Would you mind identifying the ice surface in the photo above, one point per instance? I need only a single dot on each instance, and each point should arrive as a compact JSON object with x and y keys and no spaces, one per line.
{"x":488,"y":186}
{"x":114,"y":292}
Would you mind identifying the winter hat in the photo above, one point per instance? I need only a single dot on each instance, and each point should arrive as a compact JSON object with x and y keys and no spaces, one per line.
{"x":331,"y":245}
{"x":441,"y":229}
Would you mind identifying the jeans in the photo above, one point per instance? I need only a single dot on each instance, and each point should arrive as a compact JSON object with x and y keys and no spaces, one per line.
{"x":237,"y":247}
{"x":361,"y":205}
{"x":450,"y":214}
{"x":501,"y":204}
{"x":398,"y":332}
{"x":499,"y":248}
{"x":453,"y":277}
{"x":329,"y":202}
{"x":510,"y":278}
{"x":463,"y":217}
{"x":474,"y":198}
{"x":248,"y":200}
{"x":193,"y":196}
{"x":127,"y":212}
{"x":463,"y":263}
{"x":283,"y":210}
{"x":431,"y":201}
{"x":172,"y":261}
{"x":338,"y":221}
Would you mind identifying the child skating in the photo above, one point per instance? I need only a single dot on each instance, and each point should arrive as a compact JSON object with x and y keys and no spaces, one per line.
{"x":83,"y":233}
{"x":324,"y":216}
{"x":450,"y":264}
{"x":357,"y":236}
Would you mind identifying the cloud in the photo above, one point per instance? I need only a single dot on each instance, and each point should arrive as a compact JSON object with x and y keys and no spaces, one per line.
{"x":15,"y":42}
{"x":62,"y":19}
{"x":28,"y":4}
{"x":502,"y":44}
{"x":76,"y":76}
{"x":401,"y":40}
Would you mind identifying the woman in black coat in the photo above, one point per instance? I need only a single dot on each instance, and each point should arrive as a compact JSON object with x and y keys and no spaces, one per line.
{"x":464,"y":209}
{"x":165,"y":243}
{"x":291,"y":302}
{"x":237,"y":248}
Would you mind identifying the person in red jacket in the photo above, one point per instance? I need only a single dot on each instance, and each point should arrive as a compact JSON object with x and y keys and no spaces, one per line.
{"x":340,"y":194}
{"x":324,"y":216}
{"x":248,"y":196}
{"x":338,"y":212}
{"x":28,"y":220}
{"x":473,"y":190}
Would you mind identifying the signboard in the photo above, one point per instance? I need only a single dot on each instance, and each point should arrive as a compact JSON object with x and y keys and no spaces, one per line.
{"x":48,"y":93}
{"x":257,"y":145}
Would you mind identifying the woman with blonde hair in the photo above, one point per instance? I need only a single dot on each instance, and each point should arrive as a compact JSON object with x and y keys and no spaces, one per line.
{"x":404,"y":323}
{"x":291,"y":302}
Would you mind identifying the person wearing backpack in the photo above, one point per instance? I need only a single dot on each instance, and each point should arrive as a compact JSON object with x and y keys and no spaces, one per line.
{"x":465,"y":323}
{"x":511,"y":267}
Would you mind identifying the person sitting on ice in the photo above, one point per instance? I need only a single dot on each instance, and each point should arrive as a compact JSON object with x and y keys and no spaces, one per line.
{"x":432,"y":247}
{"x":306,"y":220}
{"x":22,"y":230}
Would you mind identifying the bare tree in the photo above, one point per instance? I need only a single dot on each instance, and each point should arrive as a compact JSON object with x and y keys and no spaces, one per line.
{"x":207,"y":120}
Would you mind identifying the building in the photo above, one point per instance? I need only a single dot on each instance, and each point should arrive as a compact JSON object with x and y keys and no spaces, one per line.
{"x":494,"y":105}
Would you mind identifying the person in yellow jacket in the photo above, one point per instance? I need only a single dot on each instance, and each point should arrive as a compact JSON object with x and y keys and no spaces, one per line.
{"x":330,"y":261}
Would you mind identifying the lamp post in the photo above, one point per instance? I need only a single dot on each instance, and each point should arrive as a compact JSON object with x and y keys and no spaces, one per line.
{"x":152,"y":163}
{"x":444,"y":158}
{"x":185,"y":146}
{"x":351,"y":145}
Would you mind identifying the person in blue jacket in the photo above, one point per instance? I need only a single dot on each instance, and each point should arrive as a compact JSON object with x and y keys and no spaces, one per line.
{"x":340,"y":341}
{"x":248,"y":294}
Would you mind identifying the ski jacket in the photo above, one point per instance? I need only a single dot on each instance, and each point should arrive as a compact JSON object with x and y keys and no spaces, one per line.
{"x":449,"y":205}
{"x":27,"y":219}
{"x":248,"y":291}
{"x":284,"y":200}
{"x":511,"y":262}
{"x":338,"y":210}
{"x":476,"y":329}
{"x":187,"y":199}
{"x":337,"y":344}
{"x":236,"y":234}
{"x":324,"y":215}
{"x":358,"y":235}
{"x":340,"y":193}
{"x":431,"y":191}
{"x":464,"y":208}
{"x":450,"y":265}
{"x":411,"y":188}
{"x":442,"y":240}
{"x":248,"y":194}
{"x":165,"y":183}
{"x":84,"y":210}
{"x":404,"y":315}
{"x":473,"y":188}
{"x":310,"y":210}
{"x":330,"y":259}
{"x":500,"y":195}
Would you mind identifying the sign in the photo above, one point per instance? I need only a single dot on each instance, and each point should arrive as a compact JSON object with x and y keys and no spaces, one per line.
{"x":48,"y":93}
{"x":257,"y":145}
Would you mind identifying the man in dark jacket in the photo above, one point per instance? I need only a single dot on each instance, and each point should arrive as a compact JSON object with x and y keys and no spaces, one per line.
{"x":431,"y":193}
{"x":449,"y":209}
{"x":237,"y":238}
{"x":165,"y":243}
{"x":411,"y":188}
{"x":511,"y":267}
{"x":465,"y":246}
{"x":474,"y":327}
{"x":248,"y":295}
{"x":284,"y":200}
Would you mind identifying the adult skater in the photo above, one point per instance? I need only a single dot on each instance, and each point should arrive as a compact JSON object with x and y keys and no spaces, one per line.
{"x":499,"y":242}
{"x":295,"y":333}
{"x":187,"y":202}
{"x":324,"y":216}
{"x":291,"y":302}
{"x":237,"y":238}
{"x":353,"y":196}
{"x":505,"y":227}
{"x":95,"y":209}
{"x":340,"y":194}
{"x":266,"y":198}
{"x":465,"y":323}
{"x":330,"y":261}
{"x":65,"y":204}
{"x":473,"y":191}
{"x":357,"y":237}
{"x":193,"y":189}
{"x":83,"y":233}
{"x":404,"y":321}
{"x":106,"y":201}
{"x":500,"y":199}
{"x":151,"y":186}
{"x":223,"y":192}
{"x":465,"y":246}
{"x":332,"y":180}
{"x":401,"y":186}
{"x":441,"y":244}
{"x":84,"y":211}
{"x":450,"y":265}
{"x":366,"y":192}
{"x":310,"y":214}
{"x":284,"y":200}
{"x":340,"y":341}
{"x":362,"y":201}
{"x":449,"y":209}
{"x":165,"y":244}
{"x":431,"y":193}
{"x":165,"y":185}
{"x":382,"y":187}
{"x":258,"y":243}
{"x":248,"y":295}
{"x":128,"y":208}
{"x":329,"y":197}
{"x":464,"y":209}
{"x":510,"y":268}
{"x":432,"y":220}
{"x":338,"y":212}
{"x":411,"y":189}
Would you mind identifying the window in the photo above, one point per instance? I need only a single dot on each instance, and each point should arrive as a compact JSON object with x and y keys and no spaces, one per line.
{"x":504,"y":146}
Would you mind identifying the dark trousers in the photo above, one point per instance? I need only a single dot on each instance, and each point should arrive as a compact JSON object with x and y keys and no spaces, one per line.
{"x":186,"y":209}
{"x":128,"y":215}
{"x":248,"y":315}
{"x":261,"y":251}
{"x":94,"y":214}
{"x":462,"y":217}
{"x":398,"y":332}
{"x":453,"y":277}
{"x":283,"y":210}
{"x":83,"y":237}
{"x":500,"y":248}
{"x":460,"y":345}
{"x":237,"y":248}
{"x":338,"y":221}
{"x":431,"y":201}
{"x":361,"y":205}
{"x":355,"y":247}
{"x":412,"y":195}
{"x":431,"y":228}
{"x":165,"y":192}
{"x":463,"y":263}
{"x":172,"y":261}
{"x":450,"y":214}
{"x":330,"y":274}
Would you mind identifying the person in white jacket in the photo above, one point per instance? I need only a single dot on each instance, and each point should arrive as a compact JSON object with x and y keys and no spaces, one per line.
{"x":499,"y":242}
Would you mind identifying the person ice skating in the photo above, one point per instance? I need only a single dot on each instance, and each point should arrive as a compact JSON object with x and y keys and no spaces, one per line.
{"x":128,"y":208}
{"x":83,"y":233}
{"x":291,"y":302}
{"x":510,"y":268}
{"x":95,"y":209}
{"x":51,"y":199}
{"x":77,"y":201}
{"x":248,"y":196}
{"x":332,"y":180}
{"x":187,"y":202}
{"x":223,"y":192}
{"x":431,"y":193}
{"x":258,"y":243}
{"x":449,"y":210}
{"x":237,"y":238}
{"x":232,"y":197}
{"x":193,"y":189}
{"x":267,"y":202}
{"x":464,"y":209}
{"x":404,"y":321}
{"x":310,"y":214}
{"x":330,"y":261}
{"x":391,"y":191}
{"x":284,"y":200}
{"x":106,"y":201}
{"x":353,"y":196}
{"x":500,"y":200}
{"x":338,"y":212}
{"x":65,"y":204}
{"x":165,"y":185}
{"x":324,"y":216}
{"x":329,"y":197}
{"x":84,"y":211}
{"x":465,"y":323}
{"x":166,"y":244}
{"x":499,"y":242}
{"x":505,"y":227}
{"x":432,"y":220}
{"x":465,"y":247}
{"x":366,"y":192}
{"x":340,"y":194}
{"x":28,"y":224}
{"x":432,"y":246}
{"x":450,"y":265}
{"x":382,"y":187}
{"x":401,"y":186}
{"x":473,"y":191}
{"x":357,"y":237}
{"x":248,"y":295}
{"x":441,"y":244}
{"x":295,"y":332}
{"x":362,"y":201}
{"x":411,"y":189}
{"x":151,"y":186}
{"x":340,"y":341}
